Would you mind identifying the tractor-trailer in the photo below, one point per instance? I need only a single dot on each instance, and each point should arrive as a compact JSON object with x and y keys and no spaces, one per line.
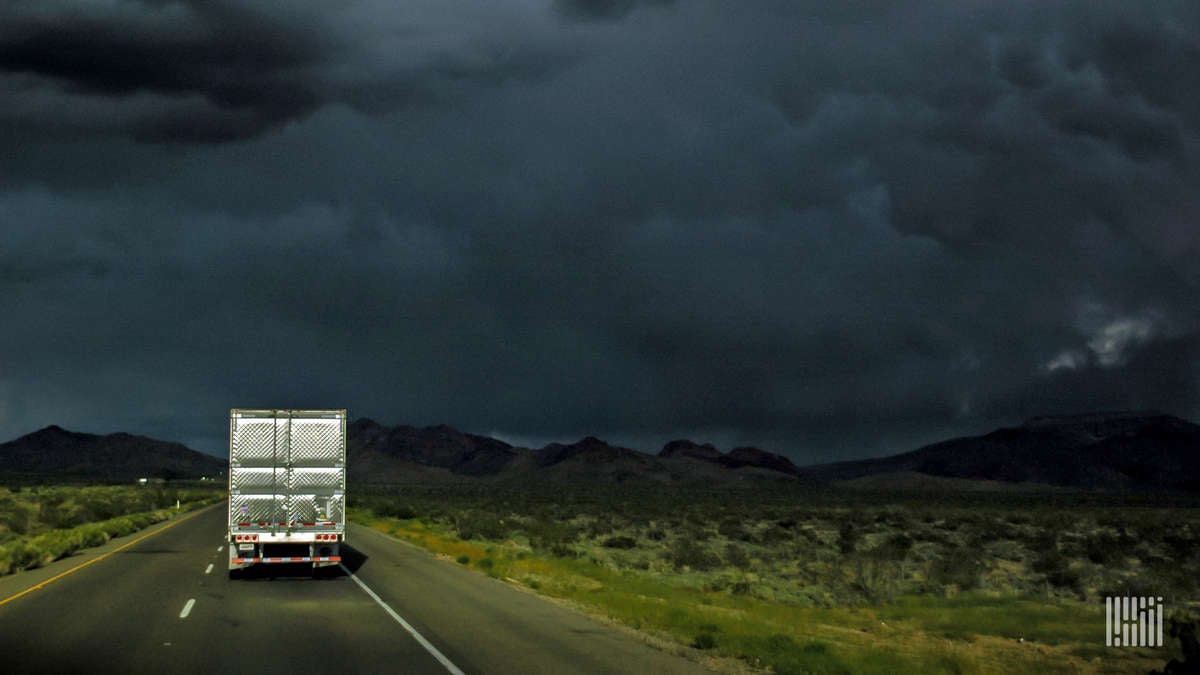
{"x":287,"y":487}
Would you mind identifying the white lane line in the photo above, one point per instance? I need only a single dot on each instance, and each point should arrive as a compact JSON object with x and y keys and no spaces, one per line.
{"x":187,"y":609}
{"x":208,"y":570}
{"x":447,"y":663}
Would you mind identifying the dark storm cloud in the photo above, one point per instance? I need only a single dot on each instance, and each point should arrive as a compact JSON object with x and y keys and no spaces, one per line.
{"x":211,"y":71}
{"x":832,"y":230}
{"x":603,"y":10}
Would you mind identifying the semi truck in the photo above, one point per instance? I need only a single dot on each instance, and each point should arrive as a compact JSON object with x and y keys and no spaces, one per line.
{"x":287,"y":487}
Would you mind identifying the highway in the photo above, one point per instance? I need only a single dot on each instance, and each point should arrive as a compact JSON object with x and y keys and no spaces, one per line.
{"x":160,"y":601}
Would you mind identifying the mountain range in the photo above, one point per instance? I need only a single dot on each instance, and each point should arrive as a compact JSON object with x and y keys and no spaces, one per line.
{"x":1117,"y":450}
{"x":54,"y":451}
{"x":1123,"y":450}
{"x":379,"y":453}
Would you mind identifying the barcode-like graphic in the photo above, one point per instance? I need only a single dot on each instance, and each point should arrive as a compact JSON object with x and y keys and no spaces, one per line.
{"x":1133,"y":621}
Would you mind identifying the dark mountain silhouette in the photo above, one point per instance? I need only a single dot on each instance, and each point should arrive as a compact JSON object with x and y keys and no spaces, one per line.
{"x":54,"y":451}
{"x":373,"y":449}
{"x":1133,"y":450}
{"x":685,"y":448}
{"x":591,"y":459}
{"x":590,"y":450}
{"x":402,"y":453}
{"x":738,"y":457}
{"x":1128,"y":450}
{"x":750,"y":456}
{"x":380,"y":454}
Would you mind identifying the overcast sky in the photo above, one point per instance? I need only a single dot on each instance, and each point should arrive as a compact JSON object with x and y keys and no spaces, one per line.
{"x":829,"y":229}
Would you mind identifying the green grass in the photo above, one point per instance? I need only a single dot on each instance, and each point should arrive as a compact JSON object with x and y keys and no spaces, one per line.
{"x":1053,"y":623}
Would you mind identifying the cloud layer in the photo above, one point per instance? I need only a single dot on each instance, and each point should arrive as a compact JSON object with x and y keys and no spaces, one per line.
{"x":832,"y":232}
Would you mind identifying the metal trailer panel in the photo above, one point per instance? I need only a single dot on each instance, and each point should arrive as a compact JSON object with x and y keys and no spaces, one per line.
{"x":287,"y":469}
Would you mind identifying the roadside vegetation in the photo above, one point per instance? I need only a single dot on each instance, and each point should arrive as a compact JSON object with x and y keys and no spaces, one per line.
{"x":41,"y":524}
{"x":828,"y":583}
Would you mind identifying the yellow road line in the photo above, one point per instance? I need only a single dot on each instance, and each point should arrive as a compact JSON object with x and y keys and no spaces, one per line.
{"x":98,"y":558}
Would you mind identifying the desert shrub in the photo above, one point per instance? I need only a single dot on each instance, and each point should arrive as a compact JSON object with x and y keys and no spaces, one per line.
{"x":480,"y":525}
{"x":895,"y":547}
{"x":774,"y":534}
{"x":874,"y":580}
{"x":1102,"y":548}
{"x":563,"y":551}
{"x":599,"y":527}
{"x":93,"y":534}
{"x":705,"y":641}
{"x":464,"y":559}
{"x":784,"y":655}
{"x":698,"y":533}
{"x":848,"y":536}
{"x":20,"y":555}
{"x":984,"y":531}
{"x":395,"y":509}
{"x":620,"y":542}
{"x":1183,"y":628}
{"x":687,"y":552}
{"x":550,"y":535}
{"x":960,"y":566}
{"x":18,"y":516}
{"x":1042,"y":540}
{"x":731,"y":528}
{"x":1182,"y":544}
{"x":1058,"y":571}
{"x":735,"y":556}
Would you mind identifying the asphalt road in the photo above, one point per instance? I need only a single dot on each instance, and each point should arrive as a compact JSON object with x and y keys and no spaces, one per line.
{"x":157,"y":607}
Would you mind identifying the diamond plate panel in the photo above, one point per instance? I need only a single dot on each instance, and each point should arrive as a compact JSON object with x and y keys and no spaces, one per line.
{"x":304,"y":479}
{"x":316,"y":442}
{"x":255,"y":479}
{"x":337,"y":508}
{"x":304,"y":508}
{"x":258,"y":441}
{"x":253,"y":508}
